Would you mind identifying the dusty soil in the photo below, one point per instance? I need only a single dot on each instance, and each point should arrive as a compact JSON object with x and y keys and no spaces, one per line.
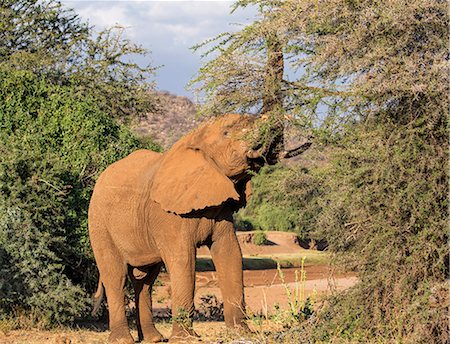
{"x":209,"y":332}
{"x":263,"y":289}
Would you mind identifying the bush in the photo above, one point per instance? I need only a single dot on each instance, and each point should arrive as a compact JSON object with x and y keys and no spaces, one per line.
{"x":60,"y":87}
{"x":386,"y":218}
{"x":31,"y":274}
{"x":284,"y":199}
{"x":242,"y":224}
{"x":48,"y":39}
{"x":54,"y":142}
{"x":210,"y":309}
{"x":259,"y":238}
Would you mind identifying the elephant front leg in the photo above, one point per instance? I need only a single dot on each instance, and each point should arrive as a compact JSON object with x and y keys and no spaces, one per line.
{"x":182,"y":278}
{"x":227,"y":258}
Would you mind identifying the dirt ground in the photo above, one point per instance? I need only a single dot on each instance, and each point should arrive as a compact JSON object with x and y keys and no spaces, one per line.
{"x":208,"y":332}
{"x":263,"y":290}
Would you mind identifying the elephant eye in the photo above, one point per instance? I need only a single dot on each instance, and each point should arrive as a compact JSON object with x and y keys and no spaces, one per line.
{"x":226,"y":133}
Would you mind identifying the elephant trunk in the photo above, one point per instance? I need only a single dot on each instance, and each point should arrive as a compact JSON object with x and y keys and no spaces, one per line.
{"x":270,"y":145}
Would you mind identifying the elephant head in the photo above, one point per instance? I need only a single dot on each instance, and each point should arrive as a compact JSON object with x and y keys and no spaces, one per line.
{"x":213,"y":159}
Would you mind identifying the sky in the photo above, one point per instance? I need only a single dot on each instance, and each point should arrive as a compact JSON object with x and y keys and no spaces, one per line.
{"x":168,"y":29}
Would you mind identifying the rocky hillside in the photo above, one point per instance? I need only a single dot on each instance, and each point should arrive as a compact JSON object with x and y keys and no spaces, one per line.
{"x":175,"y":117}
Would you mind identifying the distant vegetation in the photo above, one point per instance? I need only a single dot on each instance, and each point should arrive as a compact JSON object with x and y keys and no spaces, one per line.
{"x":61,"y":90}
{"x":284,"y":199}
{"x":372,"y":88}
{"x":259,"y":238}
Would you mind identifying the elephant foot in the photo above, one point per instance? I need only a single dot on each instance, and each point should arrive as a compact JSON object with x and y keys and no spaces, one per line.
{"x":184,"y":339}
{"x":152,"y":335}
{"x":242,"y":328}
{"x":181,"y":334}
{"x":239,"y":325}
{"x":120,"y":335}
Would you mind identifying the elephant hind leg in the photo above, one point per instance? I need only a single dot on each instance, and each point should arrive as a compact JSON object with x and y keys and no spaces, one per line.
{"x":113,"y":274}
{"x":143,"y":293}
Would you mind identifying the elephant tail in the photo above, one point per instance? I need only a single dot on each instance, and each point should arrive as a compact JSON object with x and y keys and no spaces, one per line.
{"x":98,"y":297}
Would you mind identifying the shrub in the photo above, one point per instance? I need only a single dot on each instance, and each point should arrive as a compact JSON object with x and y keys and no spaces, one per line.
{"x":210,"y":309}
{"x":60,"y":87}
{"x":54,"y":142}
{"x":386,"y":219}
{"x":300,"y":307}
{"x":48,"y":39}
{"x":242,"y":224}
{"x":259,"y":238}
{"x":284,"y":199}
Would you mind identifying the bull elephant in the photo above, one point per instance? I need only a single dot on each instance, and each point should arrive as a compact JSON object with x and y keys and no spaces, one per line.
{"x":150,"y":209}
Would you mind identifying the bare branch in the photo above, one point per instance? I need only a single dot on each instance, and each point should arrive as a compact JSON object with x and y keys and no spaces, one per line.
{"x":296,"y":151}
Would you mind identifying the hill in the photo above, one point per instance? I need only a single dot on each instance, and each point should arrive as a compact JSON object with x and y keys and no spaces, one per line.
{"x":174,"y":117}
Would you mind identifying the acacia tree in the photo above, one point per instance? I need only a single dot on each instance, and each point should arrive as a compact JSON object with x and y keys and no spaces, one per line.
{"x":381,"y":69}
{"x":247,"y":73}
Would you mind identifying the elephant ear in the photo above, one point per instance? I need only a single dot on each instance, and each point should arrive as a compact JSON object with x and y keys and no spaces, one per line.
{"x":187,"y":181}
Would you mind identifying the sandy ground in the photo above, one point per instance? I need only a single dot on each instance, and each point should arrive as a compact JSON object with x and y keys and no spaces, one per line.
{"x":208,"y":332}
{"x":263,"y":290}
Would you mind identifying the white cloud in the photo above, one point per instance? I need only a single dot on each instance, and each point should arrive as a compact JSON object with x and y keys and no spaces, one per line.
{"x":170,"y":22}
{"x":101,"y":16}
{"x":167,"y":28}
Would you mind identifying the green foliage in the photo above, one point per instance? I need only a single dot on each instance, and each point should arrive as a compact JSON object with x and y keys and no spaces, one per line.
{"x":387,"y":219}
{"x":50,"y":40}
{"x":386,"y":209}
{"x":374,"y":86}
{"x":31,"y":273}
{"x":53,"y":142}
{"x":183,"y":318}
{"x":60,"y":90}
{"x":33,"y":26}
{"x":284,"y":199}
{"x":300,"y":308}
{"x":259,"y":238}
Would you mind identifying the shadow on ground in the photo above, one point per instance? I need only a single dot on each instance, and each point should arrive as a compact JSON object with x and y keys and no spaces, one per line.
{"x":249,"y":263}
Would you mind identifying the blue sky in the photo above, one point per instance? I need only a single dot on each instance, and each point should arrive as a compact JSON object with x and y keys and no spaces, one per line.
{"x":168,"y":29}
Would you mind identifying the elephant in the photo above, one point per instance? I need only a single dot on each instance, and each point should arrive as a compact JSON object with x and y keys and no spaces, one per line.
{"x":150,"y":209}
